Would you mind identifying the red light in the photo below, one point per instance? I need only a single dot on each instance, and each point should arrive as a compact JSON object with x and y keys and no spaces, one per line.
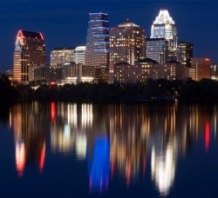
{"x":53,"y":111}
{"x":207,"y":136}
{"x":42,"y":158}
{"x":52,"y":83}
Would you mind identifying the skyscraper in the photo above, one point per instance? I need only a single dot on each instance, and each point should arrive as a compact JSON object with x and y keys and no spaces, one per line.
{"x":157,"y":49}
{"x":165,"y":27}
{"x":29,"y":52}
{"x":97,"y":47}
{"x":127,"y":43}
{"x":185,"y":53}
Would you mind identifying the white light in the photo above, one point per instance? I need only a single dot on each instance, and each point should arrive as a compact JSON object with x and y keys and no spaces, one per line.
{"x":81,"y":146}
{"x":164,"y":18}
{"x":163,"y":169}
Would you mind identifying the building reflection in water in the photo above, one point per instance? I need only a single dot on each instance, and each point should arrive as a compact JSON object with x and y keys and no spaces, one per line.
{"x":163,"y":169}
{"x":30,"y":123}
{"x":115,"y":140}
{"x":73,"y":130}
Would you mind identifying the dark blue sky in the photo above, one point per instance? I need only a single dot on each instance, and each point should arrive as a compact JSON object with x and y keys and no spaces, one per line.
{"x":64,"y":22}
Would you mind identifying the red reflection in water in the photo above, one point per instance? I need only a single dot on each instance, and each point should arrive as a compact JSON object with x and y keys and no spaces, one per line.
{"x":207,"y":136}
{"x":53,"y":111}
{"x":20,"y":158}
{"x":128,"y":172}
{"x":42,"y":159}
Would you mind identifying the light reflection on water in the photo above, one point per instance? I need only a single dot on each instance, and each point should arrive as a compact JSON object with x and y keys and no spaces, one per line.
{"x":123,"y":143}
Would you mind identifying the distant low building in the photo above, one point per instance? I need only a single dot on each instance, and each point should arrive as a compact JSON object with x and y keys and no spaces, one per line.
{"x":47,"y":73}
{"x":214,"y":71}
{"x":80,"y":54}
{"x":70,"y":73}
{"x":143,"y":70}
{"x":59,"y":56}
{"x":200,"y":68}
{"x":101,"y":74}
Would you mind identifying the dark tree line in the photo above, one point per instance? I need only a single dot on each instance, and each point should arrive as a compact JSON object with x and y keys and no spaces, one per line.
{"x":7,"y":91}
{"x":205,"y":90}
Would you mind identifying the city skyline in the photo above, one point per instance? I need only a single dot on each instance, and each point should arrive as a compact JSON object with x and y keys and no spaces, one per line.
{"x":64,"y":25}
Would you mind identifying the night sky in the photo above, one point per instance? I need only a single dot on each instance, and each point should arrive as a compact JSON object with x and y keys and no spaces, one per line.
{"x":64,"y":22}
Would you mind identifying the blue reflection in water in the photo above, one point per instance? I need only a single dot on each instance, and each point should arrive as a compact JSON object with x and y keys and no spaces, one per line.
{"x":100,"y":166}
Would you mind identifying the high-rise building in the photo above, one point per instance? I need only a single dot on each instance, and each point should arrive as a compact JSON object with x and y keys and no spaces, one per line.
{"x":59,"y":56}
{"x":185,"y":53}
{"x":127,"y":43}
{"x":80,"y":54}
{"x":157,"y":49}
{"x":165,"y":27}
{"x":97,"y":48}
{"x":29,"y":52}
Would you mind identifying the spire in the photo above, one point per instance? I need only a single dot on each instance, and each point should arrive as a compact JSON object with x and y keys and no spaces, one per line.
{"x":164,"y":18}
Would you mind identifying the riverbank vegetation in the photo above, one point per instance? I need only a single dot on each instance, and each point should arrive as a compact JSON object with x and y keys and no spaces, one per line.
{"x":205,"y":90}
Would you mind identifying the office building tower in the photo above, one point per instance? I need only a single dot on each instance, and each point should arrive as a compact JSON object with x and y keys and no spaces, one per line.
{"x":29,"y":52}
{"x":157,"y":49}
{"x":127,"y":43}
{"x":164,"y":27}
{"x":97,"y":47}
{"x":80,"y":54}
{"x":59,"y":56}
{"x":185,"y":53}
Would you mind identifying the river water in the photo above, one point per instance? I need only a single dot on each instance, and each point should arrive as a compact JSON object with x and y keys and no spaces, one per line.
{"x":93,"y":150}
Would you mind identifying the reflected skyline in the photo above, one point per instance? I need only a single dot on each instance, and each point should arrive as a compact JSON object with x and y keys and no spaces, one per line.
{"x":130,"y":142}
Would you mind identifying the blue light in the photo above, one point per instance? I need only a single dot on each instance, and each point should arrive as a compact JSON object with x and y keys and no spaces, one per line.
{"x":100,"y":168}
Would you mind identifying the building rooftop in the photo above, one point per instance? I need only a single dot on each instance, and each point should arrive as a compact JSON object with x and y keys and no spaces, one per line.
{"x":63,"y":48}
{"x":128,"y":23}
{"x":164,"y":18}
{"x":80,"y":48}
{"x":32,"y":34}
{"x":121,"y":63}
{"x":172,"y":61}
{"x":147,"y":60}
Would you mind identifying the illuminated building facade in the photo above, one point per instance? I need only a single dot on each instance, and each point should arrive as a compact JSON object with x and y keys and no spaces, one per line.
{"x":29,"y":138}
{"x":29,"y":52}
{"x":165,"y":27}
{"x":200,"y":68}
{"x":80,"y":54}
{"x":214,"y":72}
{"x":143,"y":70}
{"x":47,"y":73}
{"x":157,"y":49}
{"x":101,"y":74}
{"x":70,"y":73}
{"x":185,"y":53}
{"x":97,"y":48}
{"x":59,"y":56}
{"x":127,"y":43}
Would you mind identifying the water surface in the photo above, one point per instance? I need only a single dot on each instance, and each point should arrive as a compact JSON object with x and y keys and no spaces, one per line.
{"x":128,"y":150}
